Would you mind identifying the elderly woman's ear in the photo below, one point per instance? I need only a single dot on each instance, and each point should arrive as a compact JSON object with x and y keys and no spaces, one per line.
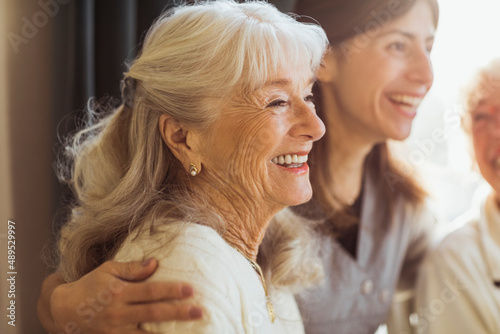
{"x":183,"y":143}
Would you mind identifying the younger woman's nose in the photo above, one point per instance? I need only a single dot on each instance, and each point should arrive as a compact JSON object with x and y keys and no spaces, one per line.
{"x":421,"y":70}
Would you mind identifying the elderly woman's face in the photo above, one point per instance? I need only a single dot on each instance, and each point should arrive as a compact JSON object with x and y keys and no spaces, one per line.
{"x":259,"y":145}
{"x":485,"y":128}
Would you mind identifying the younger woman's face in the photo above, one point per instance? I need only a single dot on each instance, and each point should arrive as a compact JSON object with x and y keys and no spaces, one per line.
{"x":382,"y":76}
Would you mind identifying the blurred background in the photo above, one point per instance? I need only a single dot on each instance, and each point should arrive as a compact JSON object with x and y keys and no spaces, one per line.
{"x":56,"y":54}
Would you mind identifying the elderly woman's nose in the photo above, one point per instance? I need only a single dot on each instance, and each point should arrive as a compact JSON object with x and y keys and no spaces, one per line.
{"x":495,"y":125}
{"x":309,"y":125}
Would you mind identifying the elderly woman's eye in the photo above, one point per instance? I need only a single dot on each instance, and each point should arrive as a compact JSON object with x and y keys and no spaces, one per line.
{"x":277,"y":103}
{"x":478,"y":117}
{"x":309,"y":98}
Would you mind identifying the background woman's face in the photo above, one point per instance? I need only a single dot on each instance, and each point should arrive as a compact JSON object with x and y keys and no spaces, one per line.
{"x":485,"y":127}
{"x":254,"y":134}
{"x":385,"y":74}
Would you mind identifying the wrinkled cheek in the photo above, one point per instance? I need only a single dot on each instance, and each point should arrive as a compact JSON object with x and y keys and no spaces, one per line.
{"x":264,"y":139}
{"x":249,"y":168}
{"x":481,"y":151}
{"x":255,"y":184}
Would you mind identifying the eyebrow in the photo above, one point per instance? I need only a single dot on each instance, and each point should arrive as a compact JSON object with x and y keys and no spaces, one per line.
{"x":484,"y":102}
{"x":404,"y":33}
{"x":285,"y":82}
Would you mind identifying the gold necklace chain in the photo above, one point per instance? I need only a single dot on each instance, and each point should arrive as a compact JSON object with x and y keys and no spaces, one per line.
{"x":256,"y":267}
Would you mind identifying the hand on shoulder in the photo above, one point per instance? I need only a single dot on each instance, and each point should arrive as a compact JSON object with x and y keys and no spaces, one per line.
{"x":113,"y":298}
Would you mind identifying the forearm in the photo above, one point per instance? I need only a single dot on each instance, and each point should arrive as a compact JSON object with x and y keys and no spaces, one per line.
{"x":44,"y":302}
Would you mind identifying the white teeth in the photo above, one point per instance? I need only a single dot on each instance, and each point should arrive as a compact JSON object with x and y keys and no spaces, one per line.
{"x":406,"y":99}
{"x":289,"y":159}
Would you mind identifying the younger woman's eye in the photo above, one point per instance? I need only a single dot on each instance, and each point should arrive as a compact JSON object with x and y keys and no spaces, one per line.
{"x":277,"y":103}
{"x":397,"y":46}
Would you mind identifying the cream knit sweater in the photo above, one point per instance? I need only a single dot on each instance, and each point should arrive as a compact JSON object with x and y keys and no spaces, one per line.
{"x":225,"y":284}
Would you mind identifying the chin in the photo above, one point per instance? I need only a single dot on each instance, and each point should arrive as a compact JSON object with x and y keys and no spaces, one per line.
{"x":400,"y":133}
{"x":400,"y":137}
{"x":300,"y":197}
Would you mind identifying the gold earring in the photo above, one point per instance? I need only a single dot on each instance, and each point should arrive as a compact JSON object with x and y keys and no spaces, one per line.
{"x":192,"y":169}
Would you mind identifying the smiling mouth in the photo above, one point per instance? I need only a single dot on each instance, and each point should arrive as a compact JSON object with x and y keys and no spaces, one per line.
{"x":290,"y":160}
{"x":408,"y":101}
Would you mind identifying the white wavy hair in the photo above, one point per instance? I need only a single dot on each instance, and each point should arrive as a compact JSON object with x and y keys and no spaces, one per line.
{"x":123,"y":175}
{"x":483,"y":81}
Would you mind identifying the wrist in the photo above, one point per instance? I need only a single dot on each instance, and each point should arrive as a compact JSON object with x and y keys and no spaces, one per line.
{"x":48,"y":305}
{"x":57,"y":306}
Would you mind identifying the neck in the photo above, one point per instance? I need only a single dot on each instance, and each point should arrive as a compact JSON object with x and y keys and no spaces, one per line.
{"x":350,"y":148}
{"x":348,"y":160}
{"x":245,"y":220}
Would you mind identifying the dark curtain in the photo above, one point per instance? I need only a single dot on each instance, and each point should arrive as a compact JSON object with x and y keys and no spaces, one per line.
{"x":107,"y":34}
{"x":95,"y":41}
